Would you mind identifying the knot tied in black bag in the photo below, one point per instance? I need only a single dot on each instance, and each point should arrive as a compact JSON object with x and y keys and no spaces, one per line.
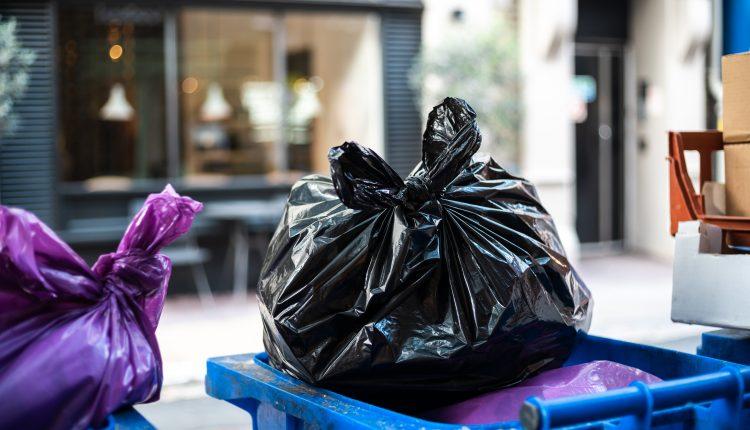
{"x":415,"y":192}
{"x":363,"y":180}
{"x":419,"y":292}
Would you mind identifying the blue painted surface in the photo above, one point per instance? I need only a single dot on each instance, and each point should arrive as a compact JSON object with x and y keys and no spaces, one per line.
{"x":698,"y":393}
{"x":726,"y":344}
{"x":128,"y":419}
{"x":736,"y":33}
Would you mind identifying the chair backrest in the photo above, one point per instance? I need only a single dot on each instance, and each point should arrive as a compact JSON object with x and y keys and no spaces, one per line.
{"x":685,"y":203}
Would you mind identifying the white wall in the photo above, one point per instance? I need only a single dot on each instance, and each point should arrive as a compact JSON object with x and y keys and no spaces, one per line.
{"x":547,"y":133}
{"x":661,"y":35}
{"x":437,"y":18}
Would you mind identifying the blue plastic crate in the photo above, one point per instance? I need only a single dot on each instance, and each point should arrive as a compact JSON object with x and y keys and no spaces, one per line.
{"x":698,"y":393}
{"x":726,"y":344}
{"x":127,"y":418}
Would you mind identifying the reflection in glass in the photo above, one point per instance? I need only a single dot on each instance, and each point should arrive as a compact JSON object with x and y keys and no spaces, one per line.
{"x":334,"y":84}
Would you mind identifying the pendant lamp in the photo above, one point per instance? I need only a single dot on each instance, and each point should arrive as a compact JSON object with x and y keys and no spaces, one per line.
{"x":216,"y":107}
{"x":117,"y":107}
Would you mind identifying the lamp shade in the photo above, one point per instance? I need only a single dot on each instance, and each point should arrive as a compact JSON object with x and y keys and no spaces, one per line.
{"x":117,"y":107}
{"x":216,"y":107}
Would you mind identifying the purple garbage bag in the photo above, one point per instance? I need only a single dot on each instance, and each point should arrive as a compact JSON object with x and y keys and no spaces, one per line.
{"x":77,"y":343}
{"x":504,"y":404}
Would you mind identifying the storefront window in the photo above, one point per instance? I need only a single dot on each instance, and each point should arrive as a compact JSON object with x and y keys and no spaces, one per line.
{"x":259,"y":92}
{"x":230,"y":102}
{"x":111,"y":92}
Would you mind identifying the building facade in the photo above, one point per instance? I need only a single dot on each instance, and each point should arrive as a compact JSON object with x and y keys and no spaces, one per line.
{"x":236,"y":99}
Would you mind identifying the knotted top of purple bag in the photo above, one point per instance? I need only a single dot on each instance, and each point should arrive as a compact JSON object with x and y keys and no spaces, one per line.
{"x":76,"y":343}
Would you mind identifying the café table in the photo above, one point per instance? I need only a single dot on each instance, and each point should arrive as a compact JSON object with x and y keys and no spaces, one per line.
{"x":244,"y":217}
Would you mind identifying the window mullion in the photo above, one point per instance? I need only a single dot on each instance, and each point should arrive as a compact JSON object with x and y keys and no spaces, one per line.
{"x":280,"y":77}
{"x":172,"y":102}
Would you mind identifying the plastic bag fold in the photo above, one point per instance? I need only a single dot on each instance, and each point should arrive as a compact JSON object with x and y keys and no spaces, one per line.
{"x":504,"y":405}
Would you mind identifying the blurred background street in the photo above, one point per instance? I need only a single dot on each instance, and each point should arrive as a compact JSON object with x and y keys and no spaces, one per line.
{"x":104,"y":102}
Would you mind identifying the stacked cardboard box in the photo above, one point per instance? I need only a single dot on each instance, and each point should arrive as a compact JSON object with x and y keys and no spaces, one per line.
{"x":736,"y":82}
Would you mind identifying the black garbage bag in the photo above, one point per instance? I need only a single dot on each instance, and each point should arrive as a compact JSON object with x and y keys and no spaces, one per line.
{"x":417,"y":293}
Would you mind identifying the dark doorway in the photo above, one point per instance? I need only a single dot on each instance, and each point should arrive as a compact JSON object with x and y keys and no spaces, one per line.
{"x":599,"y":143}
{"x":601,"y":36}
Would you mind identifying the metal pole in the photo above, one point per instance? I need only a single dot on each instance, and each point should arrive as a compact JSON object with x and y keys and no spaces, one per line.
{"x":630,"y":147}
{"x":171,"y":96}
{"x":605,"y":132}
{"x":279,"y":77}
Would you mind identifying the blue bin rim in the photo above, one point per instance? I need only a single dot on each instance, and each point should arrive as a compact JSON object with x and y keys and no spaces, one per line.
{"x":261,"y":359}
{"x":359,"y":412}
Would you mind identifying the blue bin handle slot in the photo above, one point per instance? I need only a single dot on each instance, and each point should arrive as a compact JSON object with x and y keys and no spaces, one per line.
{"x":726,"y":391}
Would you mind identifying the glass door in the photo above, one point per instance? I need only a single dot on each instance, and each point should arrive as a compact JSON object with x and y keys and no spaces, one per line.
{"x":599,"y":143}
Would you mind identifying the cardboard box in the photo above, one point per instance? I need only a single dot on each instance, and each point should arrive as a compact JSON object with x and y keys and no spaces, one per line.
{"x":737,"y":171}
{"x":735,"y":76}
{"x":714,"y":198}
{"x":735,"y":70}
